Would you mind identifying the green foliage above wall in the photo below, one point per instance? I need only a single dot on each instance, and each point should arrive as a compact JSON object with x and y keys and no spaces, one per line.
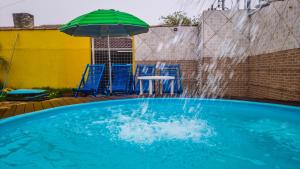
{"x":179,"y":18}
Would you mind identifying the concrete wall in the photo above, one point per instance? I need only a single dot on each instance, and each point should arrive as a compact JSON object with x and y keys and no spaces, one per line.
{"x":233,"y":33}
{"x":224,"y":33}
{"x":165,"y":43}
{"x":44,"y":58}
{"x":275,"y":28}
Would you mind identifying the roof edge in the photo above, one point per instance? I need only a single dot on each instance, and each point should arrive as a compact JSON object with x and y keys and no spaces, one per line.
{"x":57,"y":27}
{"x":42,"y":27}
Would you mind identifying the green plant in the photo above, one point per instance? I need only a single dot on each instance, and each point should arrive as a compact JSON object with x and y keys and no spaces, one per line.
{"x":56,"y":93}
{"x":178,"y":18}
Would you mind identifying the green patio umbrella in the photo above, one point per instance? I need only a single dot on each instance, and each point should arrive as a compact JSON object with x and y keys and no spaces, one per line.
{"x":105,"y":23}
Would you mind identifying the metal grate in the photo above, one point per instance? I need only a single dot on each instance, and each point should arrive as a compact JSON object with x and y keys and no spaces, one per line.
{"x":121,"y":53}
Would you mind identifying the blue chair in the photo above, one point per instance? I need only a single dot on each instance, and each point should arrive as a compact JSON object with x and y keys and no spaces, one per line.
{"x":143,"y":70}
{"x":91,"y":79}
{"x":121,"y":78}
{"x":171,"y":70}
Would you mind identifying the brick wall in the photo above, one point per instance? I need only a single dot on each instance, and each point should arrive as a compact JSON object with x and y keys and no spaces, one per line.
{"x":215,"y":78}
{"x":275,"y":75}
{"x":219,"y":77}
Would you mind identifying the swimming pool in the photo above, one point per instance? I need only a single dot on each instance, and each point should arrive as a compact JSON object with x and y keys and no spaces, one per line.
{"x":154,"y":133}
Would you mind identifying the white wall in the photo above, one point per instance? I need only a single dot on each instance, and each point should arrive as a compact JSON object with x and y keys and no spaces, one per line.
{"x":234,"y":33}
{"x":276,"y":27}
{"x":230,"y":33}
{"x":163,"y":43}
{"x":224,"y":33}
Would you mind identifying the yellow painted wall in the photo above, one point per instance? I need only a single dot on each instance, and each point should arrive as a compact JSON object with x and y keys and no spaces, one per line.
{"x":44,"y":58}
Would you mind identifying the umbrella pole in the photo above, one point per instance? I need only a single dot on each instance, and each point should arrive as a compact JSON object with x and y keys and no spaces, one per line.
{"x":109,"y":63}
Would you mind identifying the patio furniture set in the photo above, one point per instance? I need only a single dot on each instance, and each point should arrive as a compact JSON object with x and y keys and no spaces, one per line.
{"x":112,"y":23}
{"x":123,"y":80}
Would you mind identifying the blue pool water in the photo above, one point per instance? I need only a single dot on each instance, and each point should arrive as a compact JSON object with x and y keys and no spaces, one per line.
{"x":154,"y":134}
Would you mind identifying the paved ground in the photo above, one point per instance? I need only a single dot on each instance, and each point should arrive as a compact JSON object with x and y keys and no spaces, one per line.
{"x":8,"y":109}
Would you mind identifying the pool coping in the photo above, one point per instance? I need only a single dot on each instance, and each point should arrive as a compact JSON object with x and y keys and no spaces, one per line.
{"x":20,"y":116}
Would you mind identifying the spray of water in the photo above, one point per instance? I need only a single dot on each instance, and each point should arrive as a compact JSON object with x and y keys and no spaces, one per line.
{"x":221,"y":43}
{"x":146,"y":130}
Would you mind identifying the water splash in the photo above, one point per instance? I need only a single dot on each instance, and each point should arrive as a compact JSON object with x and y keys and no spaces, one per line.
{"x":140,"y":130}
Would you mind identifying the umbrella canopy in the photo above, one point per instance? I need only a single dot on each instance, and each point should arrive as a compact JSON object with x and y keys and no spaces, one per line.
{"x":104,"y":23}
